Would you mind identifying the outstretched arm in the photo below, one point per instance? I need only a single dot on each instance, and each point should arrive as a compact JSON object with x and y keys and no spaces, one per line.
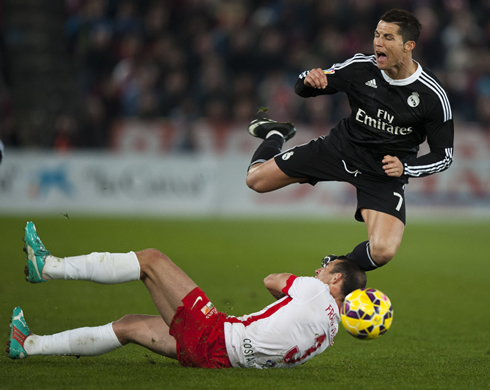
{"x":275,"y":283}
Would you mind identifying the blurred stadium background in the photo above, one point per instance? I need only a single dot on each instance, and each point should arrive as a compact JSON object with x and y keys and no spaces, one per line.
{"x":141,"y":106}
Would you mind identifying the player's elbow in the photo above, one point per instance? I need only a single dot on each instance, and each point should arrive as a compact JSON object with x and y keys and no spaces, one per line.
{"x":269,"y":281}
{"x":300,"y":88}
{"x":273,"y":282}
{"x":449,"y":162}
{"x":446,"y":159}
{"x":276,"y":282}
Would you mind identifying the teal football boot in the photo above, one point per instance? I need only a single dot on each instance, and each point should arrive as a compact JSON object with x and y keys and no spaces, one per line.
{"x":19,"y":331}
{"x":36,"y":254}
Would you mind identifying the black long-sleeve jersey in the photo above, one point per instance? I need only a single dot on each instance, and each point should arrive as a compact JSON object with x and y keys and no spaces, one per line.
{"x":389,"y":117}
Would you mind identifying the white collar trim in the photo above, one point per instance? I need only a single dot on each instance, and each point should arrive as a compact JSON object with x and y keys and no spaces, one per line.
{"x":408,"y":80}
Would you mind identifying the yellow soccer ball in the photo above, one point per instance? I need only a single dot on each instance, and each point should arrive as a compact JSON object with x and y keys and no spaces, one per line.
{"x":366,"y":313}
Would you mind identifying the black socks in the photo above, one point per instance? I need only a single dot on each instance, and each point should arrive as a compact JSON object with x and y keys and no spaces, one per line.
{"x":362,"y":257}
{"x":268,"y":149}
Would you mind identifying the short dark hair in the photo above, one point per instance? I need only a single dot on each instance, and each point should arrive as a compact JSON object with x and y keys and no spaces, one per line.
{"x":409,"y":26}
{"x":353,"y":276}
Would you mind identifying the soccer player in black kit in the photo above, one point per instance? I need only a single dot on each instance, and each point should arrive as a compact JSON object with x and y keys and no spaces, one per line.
{"x":396,"y":105}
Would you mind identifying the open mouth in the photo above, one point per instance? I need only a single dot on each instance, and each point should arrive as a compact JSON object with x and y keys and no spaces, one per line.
{"x":380,"y":56}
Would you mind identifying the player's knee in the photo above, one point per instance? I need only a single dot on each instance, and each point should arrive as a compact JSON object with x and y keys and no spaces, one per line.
{"x":254,"y":183}
{"x":150,"y":259}
{"x":382,"y":252}
{"x":123,"y":328}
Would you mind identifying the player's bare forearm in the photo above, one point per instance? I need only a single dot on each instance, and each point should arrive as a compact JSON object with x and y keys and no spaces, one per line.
{"x":275,"y":283}
{"x":392,"y":166}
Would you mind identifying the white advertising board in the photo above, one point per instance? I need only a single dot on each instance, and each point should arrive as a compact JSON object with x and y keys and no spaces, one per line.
{"x":211,"y":181}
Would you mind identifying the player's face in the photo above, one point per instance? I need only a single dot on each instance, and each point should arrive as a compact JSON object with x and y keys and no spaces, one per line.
{"x":388,"y":45}
{"x":325,"y":273}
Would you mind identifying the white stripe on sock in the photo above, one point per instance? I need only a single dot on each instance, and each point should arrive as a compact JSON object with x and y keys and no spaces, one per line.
{"x":369,"y":256}
{"x":272,"y":132}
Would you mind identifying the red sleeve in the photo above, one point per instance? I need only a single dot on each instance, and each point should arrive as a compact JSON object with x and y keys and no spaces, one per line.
{"x":288,"y":285}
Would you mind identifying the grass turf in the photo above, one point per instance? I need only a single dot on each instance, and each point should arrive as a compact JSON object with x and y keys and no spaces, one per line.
{"x":438,"y":284}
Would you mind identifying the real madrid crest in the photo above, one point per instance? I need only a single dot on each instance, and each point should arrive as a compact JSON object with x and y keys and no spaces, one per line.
{"x":413,"y":100}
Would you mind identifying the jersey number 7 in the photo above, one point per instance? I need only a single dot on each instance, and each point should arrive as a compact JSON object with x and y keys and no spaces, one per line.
{"x":400,"y":202}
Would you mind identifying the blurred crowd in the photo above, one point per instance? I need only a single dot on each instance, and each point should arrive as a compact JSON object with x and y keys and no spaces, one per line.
{"x":223,"y":60}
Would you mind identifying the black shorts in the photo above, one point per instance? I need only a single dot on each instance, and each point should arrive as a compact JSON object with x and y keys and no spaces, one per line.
{"x":318,"y":160}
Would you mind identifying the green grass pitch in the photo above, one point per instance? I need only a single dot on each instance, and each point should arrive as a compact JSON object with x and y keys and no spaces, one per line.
{"x":439,"y":284}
